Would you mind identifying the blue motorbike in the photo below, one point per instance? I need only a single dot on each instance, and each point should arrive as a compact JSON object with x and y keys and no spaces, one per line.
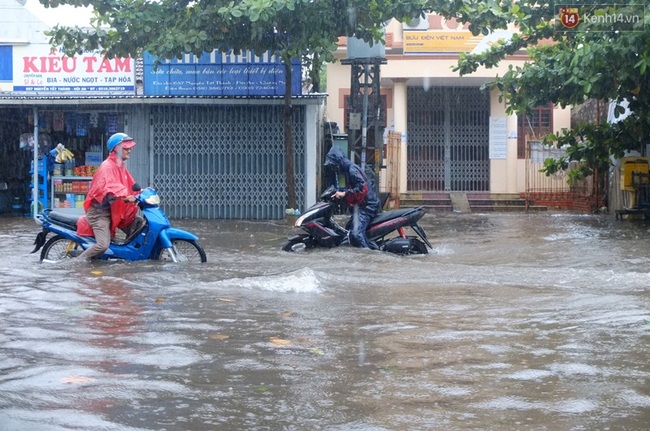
{"x":155,"y":239}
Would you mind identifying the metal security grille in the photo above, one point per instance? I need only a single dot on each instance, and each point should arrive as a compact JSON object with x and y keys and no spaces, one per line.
{"x":224,"y":162}
{"x":426,"y":140}
{"x":448,"y":139}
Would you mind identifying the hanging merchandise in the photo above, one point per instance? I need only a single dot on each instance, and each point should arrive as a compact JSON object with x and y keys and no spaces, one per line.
{"x":44,"y":142}
{"x":70,"y":123}
{"x":111,"y":124}
{"x":27,"y":141}
{"x":93,"y":119}
{"x":58,"y":121}
{"x":61,"y":154}
{"x":82,"y":125}
{"x":42,"y":122}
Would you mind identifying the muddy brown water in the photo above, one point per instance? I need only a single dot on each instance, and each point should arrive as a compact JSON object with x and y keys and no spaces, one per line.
{"x":512,"y":322}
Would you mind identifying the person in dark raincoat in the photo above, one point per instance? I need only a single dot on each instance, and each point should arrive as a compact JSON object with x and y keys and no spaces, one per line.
{"x":359,"y":194}
{"x":109,"y":204}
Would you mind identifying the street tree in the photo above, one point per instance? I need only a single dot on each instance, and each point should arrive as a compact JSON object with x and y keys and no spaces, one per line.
{"x":583,"y":51}
{"x":292,"y":29}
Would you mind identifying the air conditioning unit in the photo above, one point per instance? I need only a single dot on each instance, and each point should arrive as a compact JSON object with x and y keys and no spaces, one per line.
{"x":419,"y":23}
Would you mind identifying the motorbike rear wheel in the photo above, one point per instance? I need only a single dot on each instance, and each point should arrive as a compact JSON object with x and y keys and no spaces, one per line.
{"x":404,"y":246}
{"x":187,"y":250}
{"x":59,"y":248}
{"x":418,"y":247}
{"x":297,"y":243}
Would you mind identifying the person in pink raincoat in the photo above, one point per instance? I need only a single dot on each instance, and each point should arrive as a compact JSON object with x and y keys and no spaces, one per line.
{"x":109,"y":204}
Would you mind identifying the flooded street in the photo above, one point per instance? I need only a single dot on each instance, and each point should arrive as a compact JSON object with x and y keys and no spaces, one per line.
{"x":512,"y":322}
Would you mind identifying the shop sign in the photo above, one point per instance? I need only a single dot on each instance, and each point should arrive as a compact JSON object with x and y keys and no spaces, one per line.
{"x":219,"y":74}
{"x":449,"y":42}
{"x":437,"y":42}
{"x":40,"y":71}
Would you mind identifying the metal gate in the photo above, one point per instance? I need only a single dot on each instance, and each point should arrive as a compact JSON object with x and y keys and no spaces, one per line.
{"x":448,"y":139}
{"x":554,"y":190}
{"x":224,"y":162}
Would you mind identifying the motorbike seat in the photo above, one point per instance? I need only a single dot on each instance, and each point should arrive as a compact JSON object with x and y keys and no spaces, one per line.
{"x":389,"y":215}
{"x":69,"y":220}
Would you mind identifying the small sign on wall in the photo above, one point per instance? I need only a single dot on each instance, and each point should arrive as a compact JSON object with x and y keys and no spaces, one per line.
{"x":93,"y":158}
{"x":498,"y":137}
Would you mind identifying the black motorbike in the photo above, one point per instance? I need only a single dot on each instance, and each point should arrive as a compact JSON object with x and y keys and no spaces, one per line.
{"x":317,"y":227}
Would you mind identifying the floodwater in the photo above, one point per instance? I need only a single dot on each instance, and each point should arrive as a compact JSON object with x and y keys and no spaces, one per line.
{"x":512,"y":322}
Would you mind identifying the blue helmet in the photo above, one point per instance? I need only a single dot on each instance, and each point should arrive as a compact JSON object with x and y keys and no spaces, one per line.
{"x":117,"y":139}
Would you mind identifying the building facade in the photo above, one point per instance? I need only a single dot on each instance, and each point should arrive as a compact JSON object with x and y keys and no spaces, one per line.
{"x":455,"y":136}
{"x":209,"y":129}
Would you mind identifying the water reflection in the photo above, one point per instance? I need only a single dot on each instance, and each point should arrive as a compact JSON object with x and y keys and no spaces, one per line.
{"x":512,"y":322}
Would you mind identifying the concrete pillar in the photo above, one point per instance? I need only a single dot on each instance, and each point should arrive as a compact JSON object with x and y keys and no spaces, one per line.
{"x":400,"y":122}
{"x":312,"y":128}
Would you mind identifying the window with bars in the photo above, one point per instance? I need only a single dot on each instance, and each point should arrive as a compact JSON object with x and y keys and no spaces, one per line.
{"x":533,"y":126}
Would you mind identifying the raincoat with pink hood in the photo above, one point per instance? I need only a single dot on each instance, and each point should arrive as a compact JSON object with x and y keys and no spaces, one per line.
{"x":111,"y":183}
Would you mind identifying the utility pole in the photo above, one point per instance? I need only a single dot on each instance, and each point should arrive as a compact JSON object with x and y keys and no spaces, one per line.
{"x":367,"y":115}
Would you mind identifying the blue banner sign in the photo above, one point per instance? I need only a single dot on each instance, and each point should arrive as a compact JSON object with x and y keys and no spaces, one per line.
{"x":6,"y":63}
{"x":219,"y":74}
{"x":6,"y":68}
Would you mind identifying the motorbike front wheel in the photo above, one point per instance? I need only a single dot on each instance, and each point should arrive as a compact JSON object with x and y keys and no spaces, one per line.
{"x":298,"y":243}
{"x":59,"y":248}
{"x":186,"y":251}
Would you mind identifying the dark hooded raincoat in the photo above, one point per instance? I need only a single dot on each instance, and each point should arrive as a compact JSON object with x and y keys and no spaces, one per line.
{"x":358,"y":192}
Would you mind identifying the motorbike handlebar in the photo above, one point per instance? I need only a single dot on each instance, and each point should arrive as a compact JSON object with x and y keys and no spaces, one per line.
{"x":328,"y":194}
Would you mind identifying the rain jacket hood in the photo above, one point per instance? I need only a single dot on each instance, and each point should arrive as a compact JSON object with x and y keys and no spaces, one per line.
{"x":358,"y":189}
{"x":335,"y":158}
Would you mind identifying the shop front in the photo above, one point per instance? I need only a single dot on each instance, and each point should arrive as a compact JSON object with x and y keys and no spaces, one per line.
{"x":63,"y":177}
{"x":209,"y":131}
{"x":208,"y":158}
{"x":209,"y":127}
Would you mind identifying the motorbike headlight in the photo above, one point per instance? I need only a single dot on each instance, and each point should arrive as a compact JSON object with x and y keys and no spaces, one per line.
{"x":153,"y":200}
{"x":300,"y":220}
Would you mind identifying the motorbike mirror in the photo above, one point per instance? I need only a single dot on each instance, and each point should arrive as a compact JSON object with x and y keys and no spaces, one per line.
{"x":136,"y":187}
{"x":328,"y":192}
